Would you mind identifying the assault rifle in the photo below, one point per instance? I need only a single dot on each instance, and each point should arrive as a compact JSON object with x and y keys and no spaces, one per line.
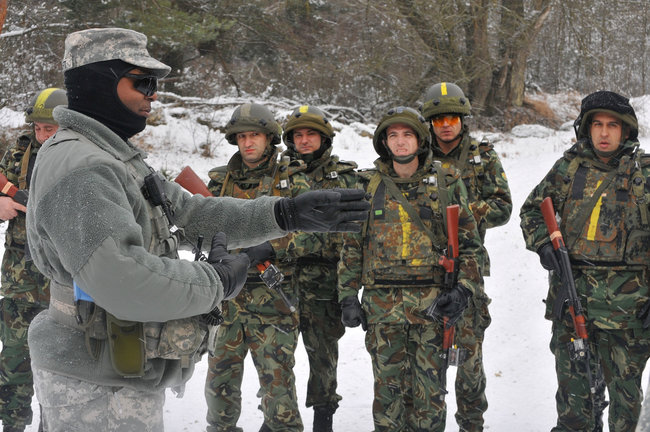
{"x":269,"y":273}
{"x":451,"y":355}
{"x":579,"y":347}
{"x":9,"y":189}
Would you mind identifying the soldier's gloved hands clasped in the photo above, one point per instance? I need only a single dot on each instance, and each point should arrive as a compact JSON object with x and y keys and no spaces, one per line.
{"x":323,"y":211}
{"x":351,"y":313}
{"x":451,"y":304}
{"x":547,"y":257}
{"x":260,"y":253}
{"x":644,"y":314}
{"x":231,"y":269}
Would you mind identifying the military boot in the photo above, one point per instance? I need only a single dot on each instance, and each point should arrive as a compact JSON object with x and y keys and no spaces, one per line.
{"x":323,"y":419}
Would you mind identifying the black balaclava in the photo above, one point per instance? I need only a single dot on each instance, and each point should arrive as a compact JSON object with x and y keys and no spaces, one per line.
{"x":92,"y":90}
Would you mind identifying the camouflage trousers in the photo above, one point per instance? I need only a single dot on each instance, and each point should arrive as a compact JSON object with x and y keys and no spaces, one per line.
{"x":470,"y":376}
{"x":16,"y":382}
{"x":621,"y":355}
{"x":321,"y":329}
{"x":71,"y":405}
{"x":406,"y":363}
{"x":272,"y":348}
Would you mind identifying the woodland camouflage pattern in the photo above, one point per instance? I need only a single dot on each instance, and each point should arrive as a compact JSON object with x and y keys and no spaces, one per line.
{"x":315,"y":282}
{"x":490,"y":201}
{"x":609,"y":247}
{"x":396,"y":263}
{"x":26,"y":293}
{"x":257,"y":319}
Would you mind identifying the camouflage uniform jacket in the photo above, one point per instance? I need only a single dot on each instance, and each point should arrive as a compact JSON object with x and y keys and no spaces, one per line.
{"x":21,"y":280}
{"x":394,"y":258}
{"x":319,"y":253}
{"x":605,"y":232}
{"x":257,"y":304}
{"x":486,"y":183}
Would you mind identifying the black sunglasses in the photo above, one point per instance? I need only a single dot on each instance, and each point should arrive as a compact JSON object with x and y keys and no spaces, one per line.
{"x":145,"y":84}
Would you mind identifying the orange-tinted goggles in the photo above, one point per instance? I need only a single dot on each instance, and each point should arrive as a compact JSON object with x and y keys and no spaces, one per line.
{"x":445,"y":120}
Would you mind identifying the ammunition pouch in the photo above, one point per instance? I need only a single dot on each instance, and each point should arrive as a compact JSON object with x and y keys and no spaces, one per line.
{"x":130,"y":343}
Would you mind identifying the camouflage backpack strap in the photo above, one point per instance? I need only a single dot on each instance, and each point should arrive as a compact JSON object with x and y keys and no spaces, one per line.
{"x":477,"y":161}
{"x":225,"y":184}
{"x":638,"y":185}
{"x":281,"y":177}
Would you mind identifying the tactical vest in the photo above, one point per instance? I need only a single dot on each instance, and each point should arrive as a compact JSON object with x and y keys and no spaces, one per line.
{"x":399,"y":249}
{"x":605,"y":213}
{"x":131,"y":343}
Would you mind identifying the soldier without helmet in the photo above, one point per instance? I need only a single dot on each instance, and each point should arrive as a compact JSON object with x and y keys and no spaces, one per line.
{"x":599,"y":192}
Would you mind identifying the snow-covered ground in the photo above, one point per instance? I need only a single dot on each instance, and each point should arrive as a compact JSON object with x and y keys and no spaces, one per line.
{"x":519,"y":366}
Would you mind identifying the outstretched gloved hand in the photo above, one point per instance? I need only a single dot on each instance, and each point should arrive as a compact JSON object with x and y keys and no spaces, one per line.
{"x":547,"y":256}
{"x":260,"y":253}
{"x":351,"y":313}
{"x":323,"y":211}
{"x":231,"y":269}
{"x":450,"y":304}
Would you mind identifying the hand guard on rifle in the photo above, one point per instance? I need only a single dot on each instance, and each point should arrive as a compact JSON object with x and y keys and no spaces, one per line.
{"x":450,"y":304}
{"x":351,"y":313}
{"x":547,"y":257}
{"x":232,"y":269}
{"x":260,"y":253}
{"x":323,"y":211}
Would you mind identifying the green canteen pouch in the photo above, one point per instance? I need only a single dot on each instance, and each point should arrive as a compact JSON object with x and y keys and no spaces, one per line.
{"x":126,"y":346}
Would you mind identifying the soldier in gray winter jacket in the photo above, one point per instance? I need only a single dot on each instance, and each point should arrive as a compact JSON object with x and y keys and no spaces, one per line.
{"x":127,"y":318}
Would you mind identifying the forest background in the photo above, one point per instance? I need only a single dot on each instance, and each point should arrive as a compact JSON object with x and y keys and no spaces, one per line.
{"x":356,"y":58}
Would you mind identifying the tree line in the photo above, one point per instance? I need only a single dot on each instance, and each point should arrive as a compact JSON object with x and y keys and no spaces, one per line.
{"x":357,"y":53}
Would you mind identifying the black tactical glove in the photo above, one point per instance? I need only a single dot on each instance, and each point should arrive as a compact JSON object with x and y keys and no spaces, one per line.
{"x":351,"y":313}
{"x":260,"y":253}
{"x":323,"y":211}
{"x":450,"y":304}
{"x":231,"y":269}
{"x":644,"y":314}
{"x":547,"y":256}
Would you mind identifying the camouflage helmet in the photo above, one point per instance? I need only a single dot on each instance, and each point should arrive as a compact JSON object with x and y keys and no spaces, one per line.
{"x":251,"y":117}
{"x":445,"y":98}
{"x":401,"y":115}
{"x":610,"y":103}
{"x":41,"y":107}
{"x":306,"y":116}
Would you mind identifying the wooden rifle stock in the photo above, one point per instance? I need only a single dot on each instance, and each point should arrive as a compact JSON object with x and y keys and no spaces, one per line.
{"x":192,"y":182}
{"x":9,"y":189}
{"x":562,"y":255}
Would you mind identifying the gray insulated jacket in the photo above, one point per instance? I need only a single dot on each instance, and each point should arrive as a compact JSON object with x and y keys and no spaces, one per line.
{"x":88,"y":220}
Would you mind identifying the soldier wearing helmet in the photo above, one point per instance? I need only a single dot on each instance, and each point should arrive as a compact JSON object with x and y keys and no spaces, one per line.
{"x":599,"y":190}
{"x":25,"y":290}
{"x":258,"y":320}
{"x":395,"y":260}
{"x":447,"y":109}
{"x":308,"y":134}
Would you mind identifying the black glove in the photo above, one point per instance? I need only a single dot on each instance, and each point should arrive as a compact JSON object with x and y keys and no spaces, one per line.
{"x":547,"y":257}
{"x":351,"y":313}
{"x":450,"y":304}
{"x":323,"y":211}
{"x":260,"y":253}
{"x":231,"y":269}
{"x":644,"y":314}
